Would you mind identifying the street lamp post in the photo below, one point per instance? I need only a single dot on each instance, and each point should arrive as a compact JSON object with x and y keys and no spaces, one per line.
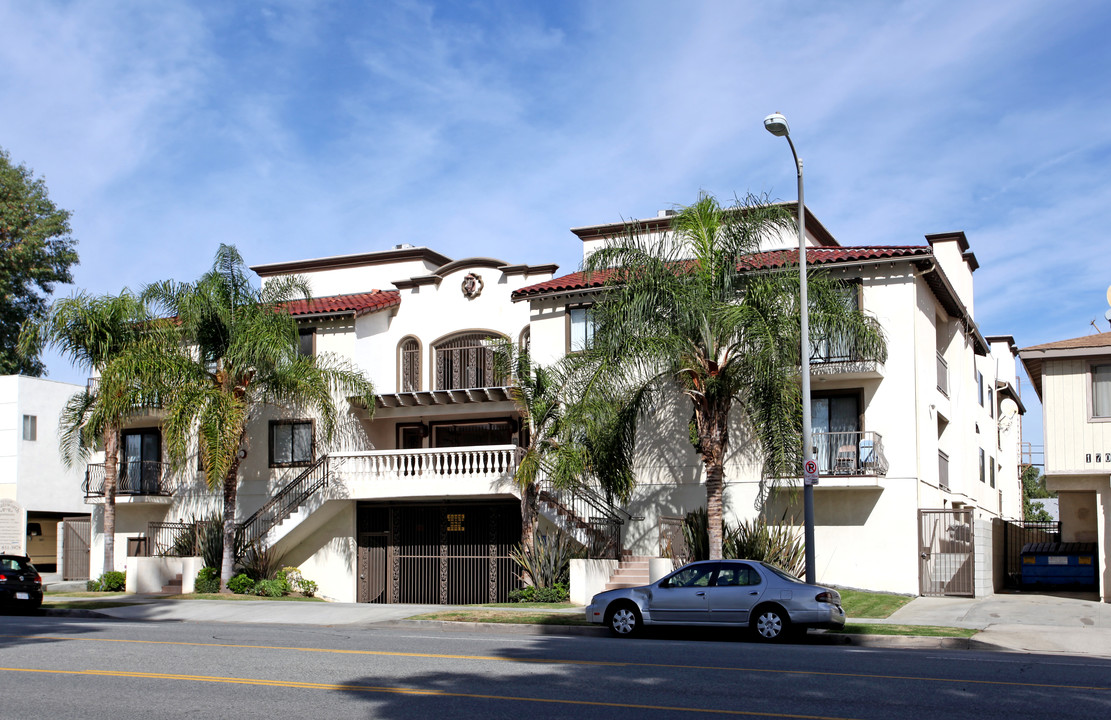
{"x":776,"y":124}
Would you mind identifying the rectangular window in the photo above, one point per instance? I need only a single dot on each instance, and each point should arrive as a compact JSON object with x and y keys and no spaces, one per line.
{"x":582,"y":328}
{"x":1101,"y":391}
{"x":306,"y":342}
{"x":991,"y":470}
{"x":291,"y":442}
{"x":981,"y":465}
{"x":830,"y":348}
{"x":30,"y":427}
{"x":991,"y":403}
{"x":980,"y":387}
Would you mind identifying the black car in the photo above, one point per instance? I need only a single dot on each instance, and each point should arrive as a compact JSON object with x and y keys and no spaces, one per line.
{"x":20,"y":583}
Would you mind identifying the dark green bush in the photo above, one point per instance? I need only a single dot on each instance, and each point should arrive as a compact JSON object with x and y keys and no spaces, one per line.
{"x":555,"y":594}
{"x":548,"y":562}
{"x":241,"y":584}
{"x":112,"y":581}
{"x":260,"y":563}
{"x":208,"y":581}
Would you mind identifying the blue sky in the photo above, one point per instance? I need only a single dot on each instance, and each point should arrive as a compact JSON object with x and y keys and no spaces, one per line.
{"x":301,"y":129}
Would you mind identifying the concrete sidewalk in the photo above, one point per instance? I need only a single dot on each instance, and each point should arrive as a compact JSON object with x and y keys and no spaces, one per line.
{"x":1064,"y":623}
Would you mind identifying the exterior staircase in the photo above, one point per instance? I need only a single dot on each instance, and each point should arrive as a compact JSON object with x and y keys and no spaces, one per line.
{"x":586,"y":515}
{"x":173,"y":587}
{"x":286,"y":502}
{"x":632,"y":571}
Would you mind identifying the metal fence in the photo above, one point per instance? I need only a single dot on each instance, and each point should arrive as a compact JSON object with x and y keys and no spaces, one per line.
{"x":180,"y":539}
{"x":850,"y":453}
{"x":1016,"y":534}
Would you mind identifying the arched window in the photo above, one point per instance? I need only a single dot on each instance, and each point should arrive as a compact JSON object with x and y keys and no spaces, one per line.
{"x":525,"y":343}
{"x":465,"y":361}
{"x":409,"y":362}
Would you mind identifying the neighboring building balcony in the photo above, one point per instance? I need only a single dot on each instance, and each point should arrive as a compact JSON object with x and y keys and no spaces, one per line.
{"x":427,"y":472}
{"x":849,"y":455}
{"x":138,"y":481}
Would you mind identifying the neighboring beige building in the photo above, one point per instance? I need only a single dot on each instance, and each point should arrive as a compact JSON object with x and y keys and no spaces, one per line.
{"x":1073,"y":381}
{"x":417,"y":504}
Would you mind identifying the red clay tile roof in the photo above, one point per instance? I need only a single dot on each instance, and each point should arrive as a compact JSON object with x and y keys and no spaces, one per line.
{"x":356,"y":303}
{"x":757,"y":261}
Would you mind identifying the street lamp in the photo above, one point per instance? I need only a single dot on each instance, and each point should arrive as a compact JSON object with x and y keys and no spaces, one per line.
{"x":776,"y":124}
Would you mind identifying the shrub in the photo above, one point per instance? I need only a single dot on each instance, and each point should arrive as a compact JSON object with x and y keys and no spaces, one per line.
{"x":297,"y":581}
{"x":548,"y":562}
{"x":308,"y":588}
{"x":210,"y":538}
{"x":271,"y":588}
{"x":260,"y":563}
{"x":113,"y":581}
{"x":781,"y":544}
{"x":208,"y":581}
{"x":241,"y":584}
{"x":555,"y":594}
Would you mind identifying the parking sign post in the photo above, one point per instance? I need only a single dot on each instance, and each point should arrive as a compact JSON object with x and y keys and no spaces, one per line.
{"x":810,"y":472}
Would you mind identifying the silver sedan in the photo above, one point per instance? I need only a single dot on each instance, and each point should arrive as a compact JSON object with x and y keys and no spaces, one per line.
{"x":744,"y":593}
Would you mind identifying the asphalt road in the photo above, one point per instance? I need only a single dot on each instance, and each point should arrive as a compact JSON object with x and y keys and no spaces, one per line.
{"x":90,"y":669}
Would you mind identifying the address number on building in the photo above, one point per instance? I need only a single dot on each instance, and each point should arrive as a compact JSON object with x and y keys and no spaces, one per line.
{"x":810,"y":472}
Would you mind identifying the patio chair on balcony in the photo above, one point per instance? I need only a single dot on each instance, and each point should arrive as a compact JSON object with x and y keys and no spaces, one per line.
{"x":868,"y":455}
{"x":845,"y":462}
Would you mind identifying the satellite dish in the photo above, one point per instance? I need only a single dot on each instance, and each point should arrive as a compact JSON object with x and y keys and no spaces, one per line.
{"x":1109,"y":294}
{"x":1008,"y":407}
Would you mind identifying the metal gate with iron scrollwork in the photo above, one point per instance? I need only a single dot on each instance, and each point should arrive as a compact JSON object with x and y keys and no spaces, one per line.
{"x":946,"y":553}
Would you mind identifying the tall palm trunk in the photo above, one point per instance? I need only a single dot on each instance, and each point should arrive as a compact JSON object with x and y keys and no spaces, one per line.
{"x":111,"y":471}
{"x":231,"y":486}
{"x":530,"y":499}
{"x":712,"y":422}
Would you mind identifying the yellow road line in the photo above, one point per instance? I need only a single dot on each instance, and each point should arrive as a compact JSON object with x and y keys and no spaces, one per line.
{"x":556,"y":661}
{"x":411,"y":691}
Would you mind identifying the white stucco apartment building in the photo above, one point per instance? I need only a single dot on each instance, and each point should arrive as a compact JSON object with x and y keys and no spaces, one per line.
{"x":418,"y":504}
{"x":31,"y":470}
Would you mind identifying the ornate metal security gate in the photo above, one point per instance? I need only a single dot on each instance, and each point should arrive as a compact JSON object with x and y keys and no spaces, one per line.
{"x":76,"y":535}
{"x":445,"y":553}
{"x":946,"y":553}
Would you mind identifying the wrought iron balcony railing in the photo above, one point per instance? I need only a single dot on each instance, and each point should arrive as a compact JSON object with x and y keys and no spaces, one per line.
{"x":134,"y":478}
{"x":850,"y":453}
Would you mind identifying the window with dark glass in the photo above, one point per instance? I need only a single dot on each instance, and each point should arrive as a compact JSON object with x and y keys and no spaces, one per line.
{"x":981,"y":465}
{"x":306,"y":338}
{"x":835,"y":426}
{"x":980,"y":387}
{"x":290,"y":442}
{"x":140,"y":461}
{"x":410,"y":365}
{"x":466,"y":361}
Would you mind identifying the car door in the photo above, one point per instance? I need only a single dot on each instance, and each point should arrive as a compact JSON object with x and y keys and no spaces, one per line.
{"x":737,"y":588}
{"x":681,"y":597}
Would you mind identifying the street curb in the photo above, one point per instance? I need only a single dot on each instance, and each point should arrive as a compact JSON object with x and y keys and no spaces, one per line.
{"x":495,"y":628}
{"x":73,"y":612}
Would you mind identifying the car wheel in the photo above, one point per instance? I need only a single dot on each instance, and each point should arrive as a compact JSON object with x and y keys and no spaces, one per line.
{"x":770,"y":624}
{"x":623,"y":619}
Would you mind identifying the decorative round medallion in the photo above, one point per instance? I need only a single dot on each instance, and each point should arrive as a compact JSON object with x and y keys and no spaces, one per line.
{"x":472,"y":286}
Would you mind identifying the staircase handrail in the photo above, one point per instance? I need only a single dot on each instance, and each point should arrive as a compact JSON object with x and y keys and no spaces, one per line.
{"x":285,"y":501}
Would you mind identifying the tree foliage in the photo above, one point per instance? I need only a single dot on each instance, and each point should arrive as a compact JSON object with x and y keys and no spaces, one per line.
{"x":1033,"y":488}
{"x":36,"y":251}
{"x":685,"y":311}
{"x":234,"y":351}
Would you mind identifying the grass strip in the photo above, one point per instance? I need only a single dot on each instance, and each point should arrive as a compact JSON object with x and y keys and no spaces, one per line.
{"x":87,"y":604}
{"x":860,"y":604}
{"x":508,"y":618}
{"x":531,"y":605}
{"x":907,"y":630}
{"x":81,"y":594}
{"x":232,"y":596}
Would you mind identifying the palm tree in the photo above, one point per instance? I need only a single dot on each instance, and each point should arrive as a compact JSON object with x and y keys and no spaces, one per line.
{"x":236,"y":351}
{"x":93,"y":332}
{"x":687,"y":311}
{"x":565,"y":443}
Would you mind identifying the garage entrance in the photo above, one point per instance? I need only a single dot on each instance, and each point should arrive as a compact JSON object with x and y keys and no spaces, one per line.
{"x":437,"y":553}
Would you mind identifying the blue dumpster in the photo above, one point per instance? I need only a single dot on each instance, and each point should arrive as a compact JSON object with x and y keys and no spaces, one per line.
{"x":1059,"y":564}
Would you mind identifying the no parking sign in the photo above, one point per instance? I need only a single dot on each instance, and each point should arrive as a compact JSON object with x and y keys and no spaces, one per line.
{"x":810,"y":472}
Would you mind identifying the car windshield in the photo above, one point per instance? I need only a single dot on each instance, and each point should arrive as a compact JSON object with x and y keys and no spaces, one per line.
{"x":782,"y":573}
